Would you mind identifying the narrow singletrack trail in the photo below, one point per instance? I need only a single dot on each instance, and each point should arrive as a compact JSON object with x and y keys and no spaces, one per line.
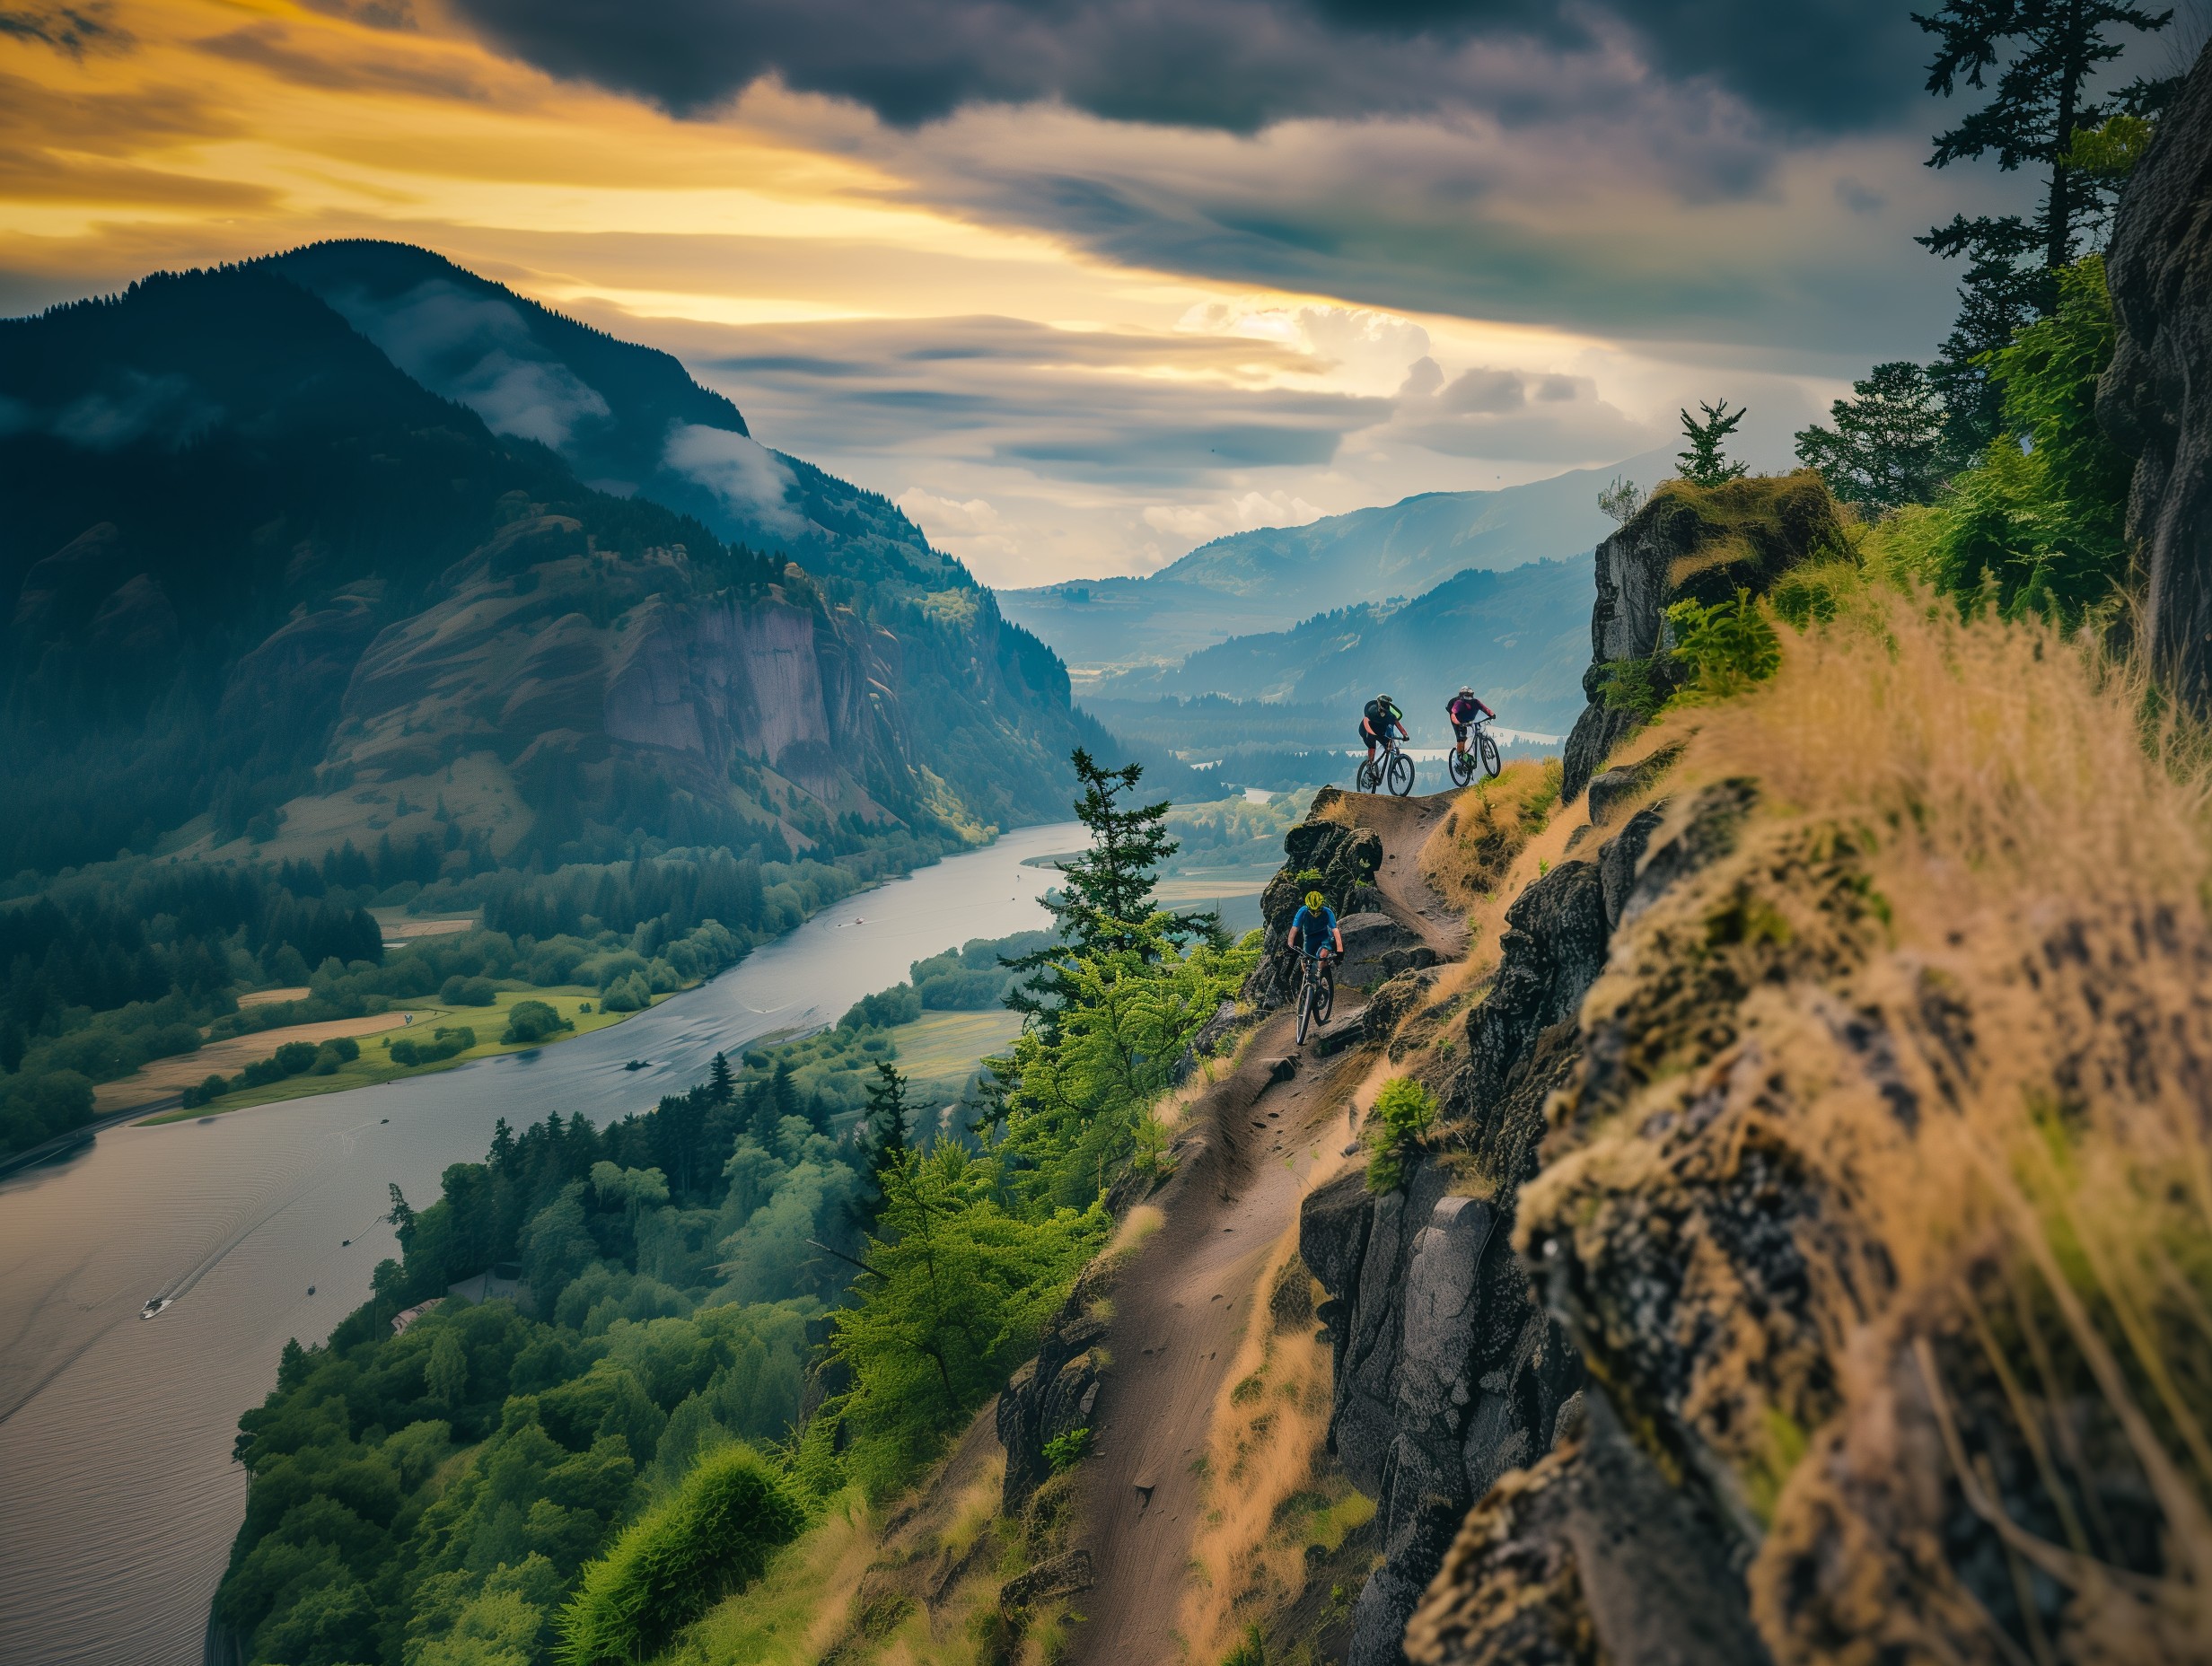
{"x":1404,"y":825}
{"x":1261,"y":1136}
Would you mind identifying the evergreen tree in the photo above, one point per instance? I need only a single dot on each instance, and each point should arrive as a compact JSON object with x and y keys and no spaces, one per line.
{"x":883,"y":1134}
{"x":1706,"y":462}
{"x":1893,"y":442}
{"x":722,"y":1085}
{"x":2045,"y":54}
{"x":502,"y":1153}
{"x":1108,"y":895}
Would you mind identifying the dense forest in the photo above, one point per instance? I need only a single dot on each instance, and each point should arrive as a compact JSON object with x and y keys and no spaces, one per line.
{"x":445,"y":1482}
{"x":122,"y":962}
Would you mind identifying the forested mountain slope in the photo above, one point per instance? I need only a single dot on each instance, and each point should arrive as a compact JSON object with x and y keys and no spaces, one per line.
{"x":261,"y":573}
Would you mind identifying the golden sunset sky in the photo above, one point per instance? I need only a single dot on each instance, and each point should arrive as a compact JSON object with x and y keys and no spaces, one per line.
{"x":1070,"y":322}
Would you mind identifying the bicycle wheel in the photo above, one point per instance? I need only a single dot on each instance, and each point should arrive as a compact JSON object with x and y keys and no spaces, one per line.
{"x":1366,"y":780}
{"x":1462,"y":768}
{"x":1324,"y":999}
{"x":1402,"y":773}
{"x":1489,"y":757}
{"x":1305,"y":1009}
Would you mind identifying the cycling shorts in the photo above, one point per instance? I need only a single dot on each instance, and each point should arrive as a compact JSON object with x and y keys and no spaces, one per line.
{"x":1458,"y":730}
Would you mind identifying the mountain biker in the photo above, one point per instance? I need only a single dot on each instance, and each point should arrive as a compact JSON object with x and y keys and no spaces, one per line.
{"x":1375,"y":723}
{"x":1314,"y":929}
{"x":1461,"y":709}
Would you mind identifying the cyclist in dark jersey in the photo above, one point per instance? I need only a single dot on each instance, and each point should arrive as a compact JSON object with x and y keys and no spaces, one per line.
{"x":1375,"y":723}
{"x":1462,"y":708}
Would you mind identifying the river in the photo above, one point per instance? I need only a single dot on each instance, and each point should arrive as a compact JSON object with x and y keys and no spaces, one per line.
{"x":118,"y":1496}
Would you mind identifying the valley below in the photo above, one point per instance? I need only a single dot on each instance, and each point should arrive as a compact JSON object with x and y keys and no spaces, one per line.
{"x":118,"y":1494}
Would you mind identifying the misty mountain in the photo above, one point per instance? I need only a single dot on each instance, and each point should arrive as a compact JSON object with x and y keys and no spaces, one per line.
{"x":268,"y":590}
{"x":627,"y":420}
{"x":1270,"y":579}
{"x":1520,"y":638}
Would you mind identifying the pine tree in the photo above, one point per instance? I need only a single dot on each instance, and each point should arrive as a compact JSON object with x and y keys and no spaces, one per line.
{"x":2046,"y":54}
{"x":1706,"y":462}
{"x":883,"y":1135}
{"x":1108,"y":895}
{"x":502,"y":1153}
{"x":723,"y":1084}
{"x":1893,"y":442}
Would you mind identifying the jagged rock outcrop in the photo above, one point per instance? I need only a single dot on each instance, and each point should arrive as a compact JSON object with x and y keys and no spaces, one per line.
{"x":2155,"y":400}
{"x":1587,"y":1556}
{"x":1689,"y":543}
{"x":1449,"y":1373}
{"x":1340,"y":863}
{"x":1050,"y":1396}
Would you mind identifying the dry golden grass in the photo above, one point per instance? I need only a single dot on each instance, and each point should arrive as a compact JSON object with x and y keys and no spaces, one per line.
{"x":1491,"y":822}
{"x":1266,"y":1439}
{"x":1964,"y":966}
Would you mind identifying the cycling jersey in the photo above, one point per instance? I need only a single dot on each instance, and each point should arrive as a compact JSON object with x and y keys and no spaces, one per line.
{"x":1313,"y":932}
{"x":1463,"y":711}
{"x":1379,"y":719}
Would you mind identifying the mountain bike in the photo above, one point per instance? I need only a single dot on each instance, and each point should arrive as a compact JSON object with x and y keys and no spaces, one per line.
{"x":1481,"y":753}
{"x":1317,"y":993}
{"x":1394,"y":770}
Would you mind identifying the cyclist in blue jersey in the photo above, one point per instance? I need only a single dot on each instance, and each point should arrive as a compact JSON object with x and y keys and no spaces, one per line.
{"x":1313,"y":928}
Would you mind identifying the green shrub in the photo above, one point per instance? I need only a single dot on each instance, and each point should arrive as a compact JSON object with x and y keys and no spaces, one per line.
{"x":1403,"y":1112}
{"x":1629,"y":687}
{"x":459,"y":991}
{"x":445,"y":1043}
{"x":678,"y":1560}
{"x":213,"y":1087}
{"x":531,"y":1021}
{"x":628,"y":994}
{"x":1729,"y":647}
{"x":1065,"y":1451}
{"x":1252,"y":1649}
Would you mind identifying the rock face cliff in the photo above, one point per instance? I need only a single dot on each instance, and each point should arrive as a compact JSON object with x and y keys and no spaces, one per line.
{"x":1449,"y":1373}
{"x":1689,"y":543}
{"x":2154,"y":399}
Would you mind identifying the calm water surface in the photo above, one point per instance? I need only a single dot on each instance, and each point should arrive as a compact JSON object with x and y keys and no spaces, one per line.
{"x":118,"y":1496}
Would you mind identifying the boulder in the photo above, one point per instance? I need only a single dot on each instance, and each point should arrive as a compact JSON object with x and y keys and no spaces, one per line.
{"x":1590,"y":1543}
{"x":1369,"y":940}
{"x":1050,"y":1396}
{"x":1609,"y":787}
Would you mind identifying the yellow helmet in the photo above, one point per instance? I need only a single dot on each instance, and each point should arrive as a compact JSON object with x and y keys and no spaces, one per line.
{"x":1314,"y":899}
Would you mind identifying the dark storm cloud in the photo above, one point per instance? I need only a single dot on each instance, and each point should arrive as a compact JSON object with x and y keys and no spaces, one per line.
{"x":1057,"y":402}
{"x":1232,"y":65}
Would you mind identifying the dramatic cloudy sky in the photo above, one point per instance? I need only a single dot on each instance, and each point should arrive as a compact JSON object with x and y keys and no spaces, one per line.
{"x":1079,"y":283}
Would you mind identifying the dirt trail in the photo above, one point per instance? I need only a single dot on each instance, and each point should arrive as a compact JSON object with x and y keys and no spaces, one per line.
{"x":1404,"y":825}
{"x":1180,"y":1308}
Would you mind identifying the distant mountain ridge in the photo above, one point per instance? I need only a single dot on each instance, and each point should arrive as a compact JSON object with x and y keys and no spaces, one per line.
{"x":262,"y":580}
{"x":1519,"y":637}
{"x":1271,"y":578}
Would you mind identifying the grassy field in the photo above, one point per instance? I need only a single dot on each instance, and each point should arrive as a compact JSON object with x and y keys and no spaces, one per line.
{"x":375,"y":1064}
{"x":940,"y":1045}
